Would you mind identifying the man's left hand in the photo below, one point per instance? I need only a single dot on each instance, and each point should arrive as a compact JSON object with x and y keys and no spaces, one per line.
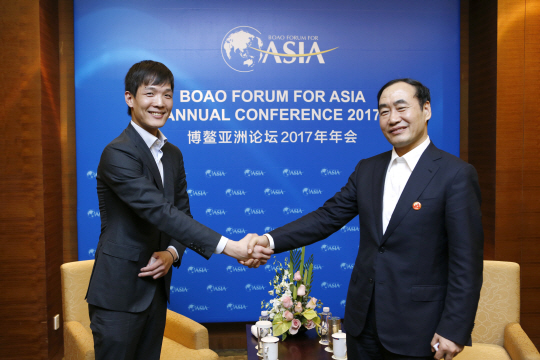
{"x":158,"y":265}
{"x":447,"y":348}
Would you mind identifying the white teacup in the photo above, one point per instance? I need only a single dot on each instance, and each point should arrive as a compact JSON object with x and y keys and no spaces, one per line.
{"x":270,"y":347}
{"x":340,"y":345}
{"x":264,"y":329}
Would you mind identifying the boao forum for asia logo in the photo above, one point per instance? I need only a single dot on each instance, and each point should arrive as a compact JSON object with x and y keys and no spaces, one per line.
{"x":243,"y":49}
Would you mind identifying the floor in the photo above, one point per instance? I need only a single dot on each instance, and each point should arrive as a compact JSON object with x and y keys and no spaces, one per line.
{"x":232,"y":354}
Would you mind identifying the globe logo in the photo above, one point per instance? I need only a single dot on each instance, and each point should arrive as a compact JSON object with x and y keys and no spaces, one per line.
{"x":238,"y":47}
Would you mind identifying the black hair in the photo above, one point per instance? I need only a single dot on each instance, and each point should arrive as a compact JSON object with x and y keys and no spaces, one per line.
{"x":422,"y":92}
{"x":147,"y":72}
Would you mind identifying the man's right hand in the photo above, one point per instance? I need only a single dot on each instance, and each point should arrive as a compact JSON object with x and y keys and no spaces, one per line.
{"x":252,"y":249}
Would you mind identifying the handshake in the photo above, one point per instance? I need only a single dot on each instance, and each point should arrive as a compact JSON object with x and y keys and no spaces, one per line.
{"x":251,"y":251}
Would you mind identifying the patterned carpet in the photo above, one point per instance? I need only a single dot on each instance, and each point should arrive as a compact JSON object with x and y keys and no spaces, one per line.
{"x":232,"y":354}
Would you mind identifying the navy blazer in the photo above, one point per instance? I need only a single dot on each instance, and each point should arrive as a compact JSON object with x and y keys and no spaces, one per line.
{"x":138,"y":217}
{"x":425,"y":271}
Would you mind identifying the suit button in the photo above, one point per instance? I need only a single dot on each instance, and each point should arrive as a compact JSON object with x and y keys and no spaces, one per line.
{"x":371,"y":281}
{"x":382,"y":249}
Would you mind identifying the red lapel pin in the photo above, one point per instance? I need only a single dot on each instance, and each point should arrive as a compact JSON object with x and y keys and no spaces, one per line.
{"x":416,"y":205}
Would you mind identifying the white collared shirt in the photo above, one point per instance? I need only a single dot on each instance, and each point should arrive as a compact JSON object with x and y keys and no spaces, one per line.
{"x":398,"y":173}
{"x":155,"y":144}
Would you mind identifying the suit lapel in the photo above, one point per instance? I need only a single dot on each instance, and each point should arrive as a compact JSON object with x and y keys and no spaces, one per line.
{"x":422,"y":174}
{"x":146,"y":155}
{"x":379,"y":177}
{"x":168,"y":174}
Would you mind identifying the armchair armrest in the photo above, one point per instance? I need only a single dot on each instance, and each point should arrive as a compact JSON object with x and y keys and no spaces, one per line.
{"x":185,"y":331}
{"x":78,"y":342}
{"x":518,"y":345}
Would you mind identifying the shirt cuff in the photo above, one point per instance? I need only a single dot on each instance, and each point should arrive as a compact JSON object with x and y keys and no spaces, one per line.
{"x":176,"y":251}
{"x":270,"y":241}
{"x":221,"y":245}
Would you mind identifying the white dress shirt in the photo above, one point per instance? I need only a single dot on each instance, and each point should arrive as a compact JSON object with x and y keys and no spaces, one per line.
{"x":155,"y":144}
{"x":398,"y":173}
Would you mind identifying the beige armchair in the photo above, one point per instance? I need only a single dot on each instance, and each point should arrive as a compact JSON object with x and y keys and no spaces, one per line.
{"x":183,"y":339}
{"x":497,"y":333}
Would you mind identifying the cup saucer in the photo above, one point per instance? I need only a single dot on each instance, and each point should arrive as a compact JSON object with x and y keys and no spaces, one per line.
{"x":334,"y":357}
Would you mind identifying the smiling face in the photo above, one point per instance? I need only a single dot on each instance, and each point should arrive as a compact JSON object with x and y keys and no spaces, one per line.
{"x":151,"y":106}
{"x":402,"y":120}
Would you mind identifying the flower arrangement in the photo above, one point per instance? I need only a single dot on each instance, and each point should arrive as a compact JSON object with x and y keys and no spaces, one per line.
{"x":293,"y":308}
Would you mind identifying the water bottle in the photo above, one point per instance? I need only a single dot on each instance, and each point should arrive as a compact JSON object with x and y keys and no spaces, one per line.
{"x":264,"y":316}
{"x":325,"y":319}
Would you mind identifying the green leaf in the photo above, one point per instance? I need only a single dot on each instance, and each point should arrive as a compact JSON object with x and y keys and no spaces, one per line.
{"x":280,"y":326}
{"x":284,"y":337}
{"x":310,"y":314}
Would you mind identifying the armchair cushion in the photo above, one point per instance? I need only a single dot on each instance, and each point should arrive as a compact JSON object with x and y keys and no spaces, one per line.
{"x":518,"y":344}
{"x":78,"y":342}
{"x":499,"y":302}
{"x":480,"y":351}
{"x":185,"y":331}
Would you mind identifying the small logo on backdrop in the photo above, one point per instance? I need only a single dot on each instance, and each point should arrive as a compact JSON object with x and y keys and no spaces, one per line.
{"x":289,"y":211}
{"x":268,"y":229}
{"x":330,"y":172}
{"x":179,"y":289}
{"x":236,"y":269}
{"x":91,"y":174}
{"x":235,"y":231}
{"x":92,"y":252}
{"x":270,"y":192}
{"x":271,"y":268}
{"x":242,"y":48}
{"x":345,"y":266}
{"x":250,"y":287}
{"x":192,"y":192}
{"x":288,"y":172}
{"x":212,"y":288}
{"x":342,"y":303}
{"x":231,"y":192}
{"x":317,"y":267}
{"x":232,"y":307}
{"x":93,"y":214}
{"x":193,"y":307}
{"x":250,"y":173}
{"x":325,"y":285}
{"x":350,"y":229}
{"x":197,"y":270}
{"x":330,"y":248}
{"x":214,"y":173}
{"x":215,"y":212}
{"x":308,"y":191}
{"x":250,"y":211}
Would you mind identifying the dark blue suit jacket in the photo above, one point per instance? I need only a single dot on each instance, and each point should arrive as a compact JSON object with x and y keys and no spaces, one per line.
{"x":425,"y":271}
{"x":138,"y":217}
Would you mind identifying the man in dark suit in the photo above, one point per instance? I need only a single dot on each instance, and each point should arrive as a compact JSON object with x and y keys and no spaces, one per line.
{"x":146,"y":224}
{"x":416,"y":281}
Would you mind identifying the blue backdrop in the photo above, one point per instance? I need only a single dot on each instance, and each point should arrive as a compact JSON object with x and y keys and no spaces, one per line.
{"x":265,"y":138}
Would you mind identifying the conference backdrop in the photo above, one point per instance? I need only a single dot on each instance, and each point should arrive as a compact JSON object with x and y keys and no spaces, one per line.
{"x":274,"y":105}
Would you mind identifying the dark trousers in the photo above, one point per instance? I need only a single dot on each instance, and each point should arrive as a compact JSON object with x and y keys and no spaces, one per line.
{"x":367,"y":345}
{"x":130,"y":336}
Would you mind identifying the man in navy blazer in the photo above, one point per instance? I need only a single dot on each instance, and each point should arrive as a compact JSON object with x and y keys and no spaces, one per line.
{"x":146,"y":224}
{"x":416,"y":282}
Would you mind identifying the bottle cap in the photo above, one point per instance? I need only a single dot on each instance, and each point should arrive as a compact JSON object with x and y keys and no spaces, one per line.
{"x":264,"y":313}
{"x":326,"y":309}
